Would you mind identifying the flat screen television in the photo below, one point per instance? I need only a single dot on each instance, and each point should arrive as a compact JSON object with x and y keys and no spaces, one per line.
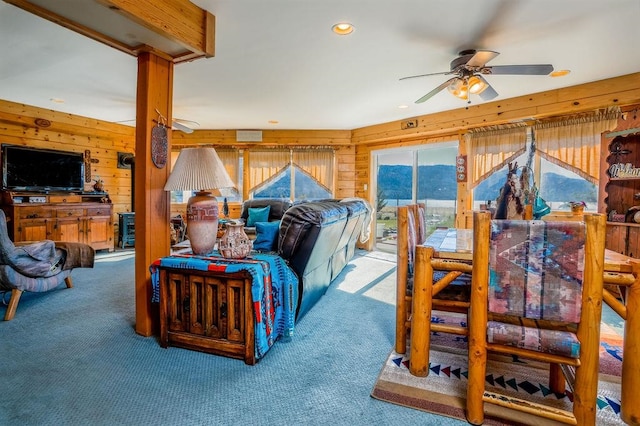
{"x":41,"y":170}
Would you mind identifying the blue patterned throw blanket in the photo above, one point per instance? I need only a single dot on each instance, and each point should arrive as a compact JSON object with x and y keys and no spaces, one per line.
{"x":274,"y":290}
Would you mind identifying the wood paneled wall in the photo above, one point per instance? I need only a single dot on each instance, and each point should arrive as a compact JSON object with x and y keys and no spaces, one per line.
{"x":69,"y":132}
{"x":76,"y":133}
{"x":451,"y":125}
{"x":353,"y":148}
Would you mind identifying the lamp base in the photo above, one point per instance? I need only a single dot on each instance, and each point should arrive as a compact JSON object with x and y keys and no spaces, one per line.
{"x":202,"y":222}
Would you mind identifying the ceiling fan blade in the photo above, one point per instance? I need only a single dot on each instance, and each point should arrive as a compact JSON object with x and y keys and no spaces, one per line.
{"x":488,"y":93}
{"x":539,"y":69}
{"x":178,"y":126}
{"x":436,"y":90}
{"x":426,"y":75}
{"x":481,"y":57}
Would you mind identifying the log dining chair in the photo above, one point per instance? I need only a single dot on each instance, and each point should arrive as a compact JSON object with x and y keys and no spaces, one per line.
{"x":411,"y":237}
{"x":537,"y":294}
{"x":411,"y":232}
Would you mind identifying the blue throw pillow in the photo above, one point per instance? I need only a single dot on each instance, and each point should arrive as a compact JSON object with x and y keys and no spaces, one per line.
{"x":258,"y":214}
{"x":266,"y":236}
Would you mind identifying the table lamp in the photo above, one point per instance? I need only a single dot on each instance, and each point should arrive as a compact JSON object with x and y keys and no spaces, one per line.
{"x":201,"y":170}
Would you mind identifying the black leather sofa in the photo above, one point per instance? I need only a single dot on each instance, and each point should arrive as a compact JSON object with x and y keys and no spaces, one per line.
{"x":318,"y":239}
{"x":277,"y":208}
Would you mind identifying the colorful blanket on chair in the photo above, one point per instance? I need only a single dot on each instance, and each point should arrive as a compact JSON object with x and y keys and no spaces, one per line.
{"x":274,"y":290}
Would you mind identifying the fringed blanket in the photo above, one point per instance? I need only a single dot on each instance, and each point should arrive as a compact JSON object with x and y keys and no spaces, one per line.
{"x":274,"y":290}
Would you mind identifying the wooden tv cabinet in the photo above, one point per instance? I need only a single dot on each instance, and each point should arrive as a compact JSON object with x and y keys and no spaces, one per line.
{"x":60,"y":217}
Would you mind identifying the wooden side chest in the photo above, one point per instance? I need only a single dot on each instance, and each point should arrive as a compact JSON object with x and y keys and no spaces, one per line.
{"x":207,"y":311}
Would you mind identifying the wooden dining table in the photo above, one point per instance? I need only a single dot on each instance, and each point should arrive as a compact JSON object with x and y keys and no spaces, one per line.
{"x":620,"y":271}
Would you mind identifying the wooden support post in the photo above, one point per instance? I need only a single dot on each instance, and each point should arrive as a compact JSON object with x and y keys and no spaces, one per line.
{"x":152,"y":202}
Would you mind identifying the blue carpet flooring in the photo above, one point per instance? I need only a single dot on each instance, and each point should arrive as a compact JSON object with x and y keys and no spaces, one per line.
{"x":71,"y":357}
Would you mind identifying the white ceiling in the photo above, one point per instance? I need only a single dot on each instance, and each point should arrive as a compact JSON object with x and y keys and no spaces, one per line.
{"x":279,"y":60}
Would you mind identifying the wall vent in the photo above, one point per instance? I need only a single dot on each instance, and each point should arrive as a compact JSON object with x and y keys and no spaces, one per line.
{"x":249,"y":135}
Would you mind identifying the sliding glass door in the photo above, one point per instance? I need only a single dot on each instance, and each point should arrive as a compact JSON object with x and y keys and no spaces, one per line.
{"x":424,"y":174}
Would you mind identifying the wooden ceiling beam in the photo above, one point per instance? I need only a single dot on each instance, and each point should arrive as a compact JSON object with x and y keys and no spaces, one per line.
{"x":177,"y":21}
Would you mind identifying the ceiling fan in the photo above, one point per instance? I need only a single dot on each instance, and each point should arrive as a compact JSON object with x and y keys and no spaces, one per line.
{"x":183,"y":125}
{"x":186,"y":126}
{"x":470,"y":68}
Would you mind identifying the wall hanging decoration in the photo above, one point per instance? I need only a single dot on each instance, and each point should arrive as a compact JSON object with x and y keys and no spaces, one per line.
{"x":461,"y":168}
{"x":159,"y":143}
{"x":87,"y":165}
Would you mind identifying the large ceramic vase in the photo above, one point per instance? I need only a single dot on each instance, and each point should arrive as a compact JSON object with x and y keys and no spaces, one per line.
{"x":235,"y":243}
{"x":202,"y":222}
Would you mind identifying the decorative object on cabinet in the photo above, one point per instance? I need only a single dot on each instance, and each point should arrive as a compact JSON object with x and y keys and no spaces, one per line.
{"x":235,"y":244}
{"x":577,"y":207}
{"x":202,"y":170}
{"x":98,"y":186}
{"x":620,"y":189}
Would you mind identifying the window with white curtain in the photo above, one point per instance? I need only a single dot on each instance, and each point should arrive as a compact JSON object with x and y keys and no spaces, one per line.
{"x":299,"y":174}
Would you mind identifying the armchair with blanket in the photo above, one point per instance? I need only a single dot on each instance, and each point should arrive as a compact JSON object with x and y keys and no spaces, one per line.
{"x":37,"y":266}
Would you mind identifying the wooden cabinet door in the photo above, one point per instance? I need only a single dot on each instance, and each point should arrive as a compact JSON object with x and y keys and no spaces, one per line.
{"x":69,"y":229}
{"x":98,"y":232}
{"x":633,"y":242}
{"x":236,"y":310}
{"x":616,"y":238}
{"x":214,"y":307}
{"x":35,"y":230}
{"x":176,"y":290}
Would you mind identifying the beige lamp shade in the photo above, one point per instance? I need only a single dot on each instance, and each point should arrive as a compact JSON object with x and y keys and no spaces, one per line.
{"x":200,"y":169}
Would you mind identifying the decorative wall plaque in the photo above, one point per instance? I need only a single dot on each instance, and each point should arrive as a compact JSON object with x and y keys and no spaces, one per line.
{"x":461,"y":168}
{"x":622,"y":170}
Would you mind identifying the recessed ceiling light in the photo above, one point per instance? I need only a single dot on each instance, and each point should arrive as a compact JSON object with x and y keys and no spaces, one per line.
{"x":403,"y":106}
{"x":57,"y":100}
{"x":273,"y":122}
{"x":342,"y":28}
{"x":560,"y":73}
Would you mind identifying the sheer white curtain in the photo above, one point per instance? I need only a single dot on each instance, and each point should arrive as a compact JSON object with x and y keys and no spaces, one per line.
{"x":317,"y":163}
{"x":491,"y":148}
{"x":574,"y":143}
{"x":230,"y":158}
{"x":264,"y":164}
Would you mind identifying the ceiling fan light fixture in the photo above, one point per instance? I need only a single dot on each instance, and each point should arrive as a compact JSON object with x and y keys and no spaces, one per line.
{"x":459,"y":88}
{"x":477,"y":85}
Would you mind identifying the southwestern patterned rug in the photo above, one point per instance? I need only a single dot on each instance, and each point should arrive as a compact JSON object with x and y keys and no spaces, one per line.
{"x":443,"y":391}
